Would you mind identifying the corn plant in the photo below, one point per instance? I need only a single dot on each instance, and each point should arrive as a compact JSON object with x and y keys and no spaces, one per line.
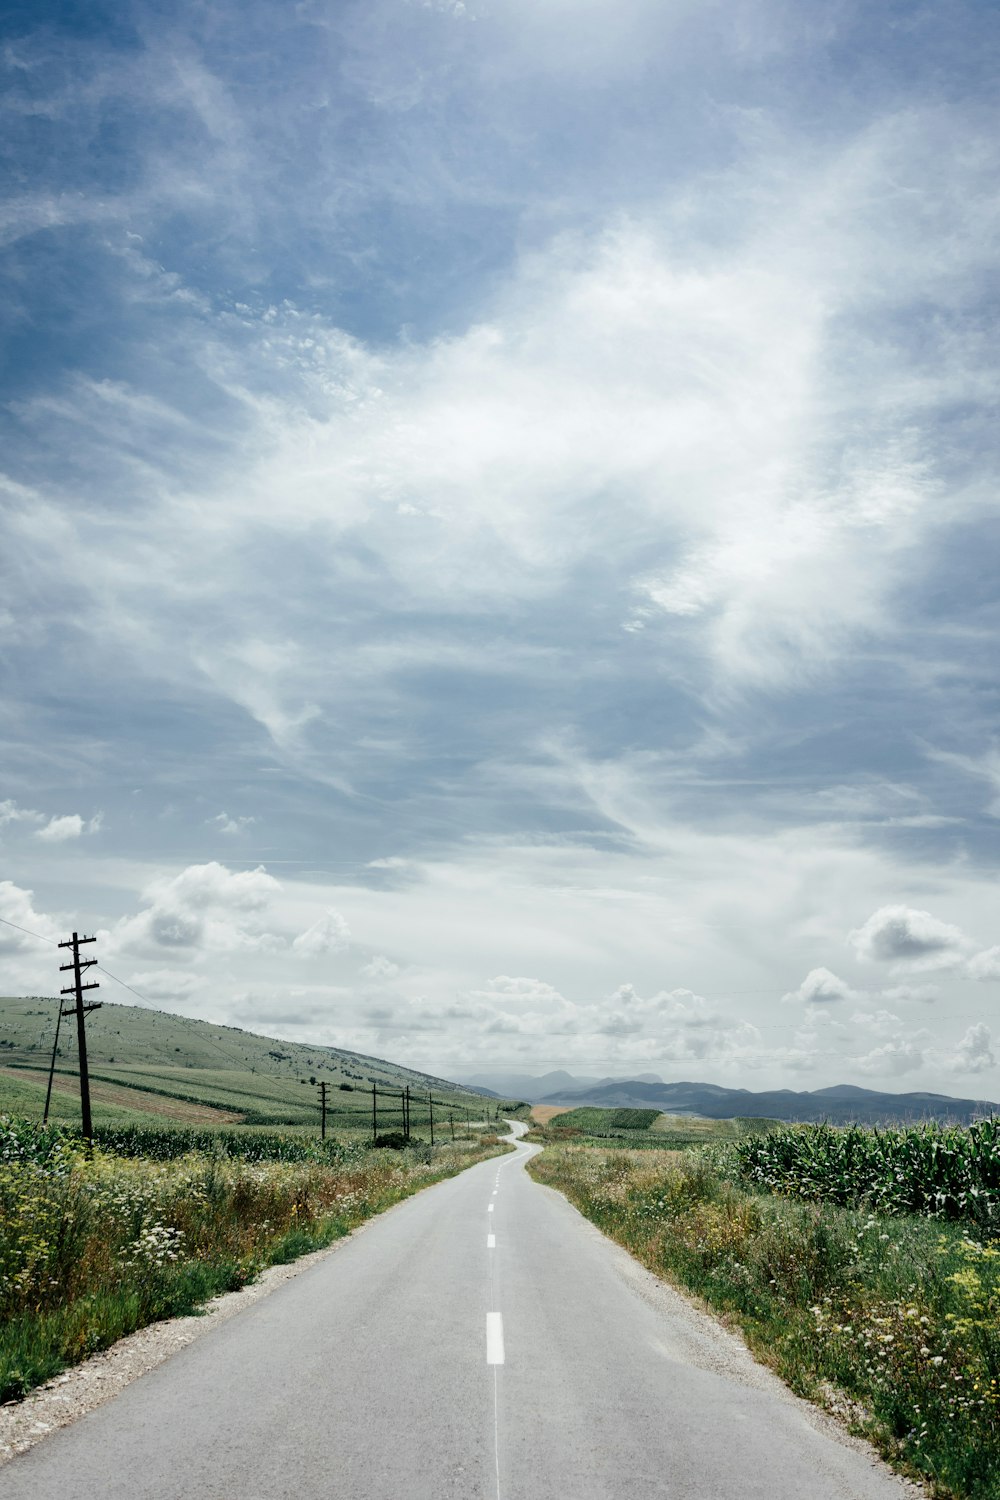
{"x":933,"y":1170}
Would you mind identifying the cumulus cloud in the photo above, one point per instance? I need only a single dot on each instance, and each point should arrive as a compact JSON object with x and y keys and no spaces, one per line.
{"x":821,"y":987}
{"x":330,"y":934}
{"x":892,"y":1058}
{"x":985,"y":965}
{"x":204,"y":907}
{"x":71,"y":826}
{"x":974,"y":1053}
{"x":17,"y":907}
{"x":909,"y":938}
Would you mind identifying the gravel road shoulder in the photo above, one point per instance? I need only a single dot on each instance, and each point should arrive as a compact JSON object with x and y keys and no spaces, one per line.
{"x":71,"y":1395}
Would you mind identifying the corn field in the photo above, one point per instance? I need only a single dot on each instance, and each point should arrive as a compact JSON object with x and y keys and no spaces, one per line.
{"x":937,"y":1171}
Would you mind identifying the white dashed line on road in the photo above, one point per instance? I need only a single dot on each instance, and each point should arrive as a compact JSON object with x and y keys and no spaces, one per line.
{"x":491,"y":1242}
{"x":494,"y":1338}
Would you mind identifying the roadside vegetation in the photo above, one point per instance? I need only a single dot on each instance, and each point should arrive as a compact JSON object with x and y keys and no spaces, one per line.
{"x":153,"y":1223}
{"x":950,"y":1173}
{"x":891,"y":1319}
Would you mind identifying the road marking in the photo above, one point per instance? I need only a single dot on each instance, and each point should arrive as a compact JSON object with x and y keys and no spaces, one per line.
{"x":491,"y":1242}
{"x":490,"y":1209}
{"x":496,"y":1429}
{"x":494,"y":1339}
{"x":495,"y":1191}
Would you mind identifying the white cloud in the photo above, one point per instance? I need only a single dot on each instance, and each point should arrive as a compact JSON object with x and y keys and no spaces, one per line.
{"x":892,"y":1059}
{"x":330,"y":934}
{"x":17,"y":907}
{"x":974,"y":1053}
{"x":821,"y":987}
{"x":204,"y":907}
{"x":379,"y":967}
{"x":71,"y":826}
{"x":230,"y":826}
{"x":11,"y":813}
{"x":910,"y":938}
{"x":985,"y":965}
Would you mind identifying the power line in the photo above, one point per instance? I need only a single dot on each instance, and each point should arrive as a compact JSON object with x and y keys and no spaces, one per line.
{"x":51,"y":941}
{"x":124,"y":985}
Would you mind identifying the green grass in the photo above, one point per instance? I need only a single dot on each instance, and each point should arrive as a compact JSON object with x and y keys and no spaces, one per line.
{"x":896,"y":1318}
{"x":146,"y":1064}
{"x":133,"y":1038}
{"x":93,"y":1247}
{"x":644,"y":1129}
{"x":594,"y":1121}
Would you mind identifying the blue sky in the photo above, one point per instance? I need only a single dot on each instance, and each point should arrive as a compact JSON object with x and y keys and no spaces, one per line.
{"x":498,"y":519}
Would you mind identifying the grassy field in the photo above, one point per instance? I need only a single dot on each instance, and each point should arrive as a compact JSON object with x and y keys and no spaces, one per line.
{"x":894,"y":1322}
{"x":637,"y":1129}
{"x":159,"y":1067}
{"x":95,"y":1246}
{"x":137,"y":1035}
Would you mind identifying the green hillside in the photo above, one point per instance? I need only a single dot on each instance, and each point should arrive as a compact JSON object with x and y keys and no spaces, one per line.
{"x":646,"y":1128}
{"x":158,"y":1067}
{"x":595,"y":1121}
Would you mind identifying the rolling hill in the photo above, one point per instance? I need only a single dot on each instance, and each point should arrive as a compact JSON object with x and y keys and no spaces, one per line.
{"x":169,"y":1068}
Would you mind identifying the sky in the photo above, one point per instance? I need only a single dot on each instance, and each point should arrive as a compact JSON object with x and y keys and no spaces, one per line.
{"x":498,"y":527}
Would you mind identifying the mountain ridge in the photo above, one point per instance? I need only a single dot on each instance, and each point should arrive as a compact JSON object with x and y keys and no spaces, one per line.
{"x":839,"y":1104}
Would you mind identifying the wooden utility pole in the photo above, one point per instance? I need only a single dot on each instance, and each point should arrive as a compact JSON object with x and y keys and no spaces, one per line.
{"x":52,"y":1066}
{"x":451,"y":1122}
{"x":322,"y":1110}
{"x":430,"y":1106}
{"x":406,"y":1112}
{"x":80,"y":1010}
{"x":374,"y":1116}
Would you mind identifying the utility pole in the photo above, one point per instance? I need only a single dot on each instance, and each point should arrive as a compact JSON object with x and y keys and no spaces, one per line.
{"x":322,"y":1110}
{"x":430,"y":1106}
{"x":52,"y":1066}
{"x":374,"y":1116}
{"x":406,"y":1112}
{"x":80,"y":1010}
{"x":451,"y":1122}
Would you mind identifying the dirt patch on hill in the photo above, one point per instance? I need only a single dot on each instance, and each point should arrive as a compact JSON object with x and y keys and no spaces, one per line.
{"x":543,"y":1113}
{"x":126,"y":1098}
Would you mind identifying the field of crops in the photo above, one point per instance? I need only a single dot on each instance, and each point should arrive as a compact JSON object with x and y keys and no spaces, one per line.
{"x":593,"y":1121}
{"x":946,"y":1173}
{"x":640,"y":1129}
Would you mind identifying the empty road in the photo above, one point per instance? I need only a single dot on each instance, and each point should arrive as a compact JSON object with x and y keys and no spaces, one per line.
{"x":480,"y":1340}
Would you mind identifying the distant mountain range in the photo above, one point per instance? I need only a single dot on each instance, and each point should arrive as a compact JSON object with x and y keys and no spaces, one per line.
{"x":840,"y":1104}
{"x":533,"y":1089}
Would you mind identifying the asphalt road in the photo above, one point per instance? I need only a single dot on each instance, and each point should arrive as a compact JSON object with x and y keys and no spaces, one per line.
{"x":479,"y":1340}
